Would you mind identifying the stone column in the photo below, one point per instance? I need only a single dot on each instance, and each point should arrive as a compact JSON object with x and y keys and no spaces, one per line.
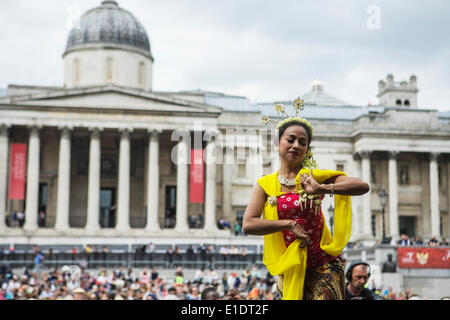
{"x":356,"y":201}
{"x":276,"y":162}
{"x":393,"y":195}
{"x":434,"y":196}
{"x":63,"y":196}
{"x":4,"y":150}
{"x":182,"y":183}
{"x":367,"y":209}
{"x":257,"y":155}
{"x":93,"y":207}
{"x":210,"y":185}
{"x":153,"y":182}
{"x":227,"y":175}
{"x":32,"y":200}
{"x":123,"y":199}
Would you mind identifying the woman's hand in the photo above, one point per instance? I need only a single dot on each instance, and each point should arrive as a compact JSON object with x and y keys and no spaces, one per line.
{"x":300,"y":233}
{"x":309,"y":184}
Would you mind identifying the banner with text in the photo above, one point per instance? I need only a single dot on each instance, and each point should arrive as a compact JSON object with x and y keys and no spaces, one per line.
{"x":197,"y":185}
{"x":438,"y":258}
{"x":17,"y":171}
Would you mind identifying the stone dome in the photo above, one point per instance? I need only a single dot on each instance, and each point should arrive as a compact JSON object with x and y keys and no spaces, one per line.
{"x":111,"y":25}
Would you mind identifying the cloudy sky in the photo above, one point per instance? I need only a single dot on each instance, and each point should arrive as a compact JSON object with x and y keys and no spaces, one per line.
{"x":263,"y":49}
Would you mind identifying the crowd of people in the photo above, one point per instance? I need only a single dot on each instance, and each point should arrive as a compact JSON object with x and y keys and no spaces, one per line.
{"x":129,"y":284}
{"x":147,"y":284}
{"x":406,"y":240}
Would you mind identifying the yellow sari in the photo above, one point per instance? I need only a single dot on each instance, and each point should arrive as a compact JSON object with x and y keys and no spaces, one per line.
{"x":291,"y":261}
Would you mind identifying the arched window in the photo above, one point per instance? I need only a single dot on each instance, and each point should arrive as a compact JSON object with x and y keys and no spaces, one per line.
{"x":109,"y":69}
{"x":141,"y":74}
{"x":406,"y":103}
{"x":76,"y":71}
{"x":398,"y":102}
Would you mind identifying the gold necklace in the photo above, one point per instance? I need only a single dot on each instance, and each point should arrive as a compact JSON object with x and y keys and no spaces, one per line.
{"x":286,"y":182}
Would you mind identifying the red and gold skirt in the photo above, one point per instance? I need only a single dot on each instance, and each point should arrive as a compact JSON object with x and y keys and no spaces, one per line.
{"x":325,"y":282}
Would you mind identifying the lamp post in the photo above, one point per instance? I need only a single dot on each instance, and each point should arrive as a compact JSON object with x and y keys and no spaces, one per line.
{"x":331,"y":215}
{"x":383,"y":199}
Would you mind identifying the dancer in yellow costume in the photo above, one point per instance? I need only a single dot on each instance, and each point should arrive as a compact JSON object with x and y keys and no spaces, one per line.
{"x":298,"y":246}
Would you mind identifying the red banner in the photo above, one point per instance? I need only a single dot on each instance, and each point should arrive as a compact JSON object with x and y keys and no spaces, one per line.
{"x":424,"y":258}
{"x":197,"y":184}
{"x":17,"y":171}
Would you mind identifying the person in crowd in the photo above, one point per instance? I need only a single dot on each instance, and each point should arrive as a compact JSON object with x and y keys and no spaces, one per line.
{"x":41,"y":219}
{"x":171,"y":294}
{"x":237,"y":229}
{"x":433,"y":242}
{"x":199,"y":275}
{"x":404,"y":240}
{"x":243,"y":252}
{"x":169,"y":255}
{"x":79,"y":294}
{"x":190,"y":255}
{"x":357,"y":275}
{"x":21,"y":218}
{"x":38,"y":261}
{"x":7,"y":219}
{"x":210,"y":293}
{"x":150,"y":251}
{"x":418,"y":242}
{"x":154,"y":274}
{"x":194,"y":293}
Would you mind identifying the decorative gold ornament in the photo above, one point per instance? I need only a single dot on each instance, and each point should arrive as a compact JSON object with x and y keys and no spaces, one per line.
{"x":298,"y":105}
{"x":273,"y":201}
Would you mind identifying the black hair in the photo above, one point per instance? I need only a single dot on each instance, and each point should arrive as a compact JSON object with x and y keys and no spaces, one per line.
{"x":295,"y":123}
{"x":171,"y":289}
{"x":206,"y":291}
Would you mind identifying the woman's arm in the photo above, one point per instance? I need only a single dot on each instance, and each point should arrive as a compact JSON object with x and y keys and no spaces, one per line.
{"x":254,"y":224}
{"x":343,"y":185}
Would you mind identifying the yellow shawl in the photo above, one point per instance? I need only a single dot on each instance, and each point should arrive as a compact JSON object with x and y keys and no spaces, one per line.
{"x":291,"y":261}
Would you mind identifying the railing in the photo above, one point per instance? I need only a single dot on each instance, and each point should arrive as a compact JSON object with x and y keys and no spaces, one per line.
{"x":133,"y":260}
{"x":365,"y":254}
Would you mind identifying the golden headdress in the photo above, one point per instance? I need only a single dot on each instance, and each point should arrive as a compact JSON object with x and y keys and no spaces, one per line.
{"x":309,"y":162}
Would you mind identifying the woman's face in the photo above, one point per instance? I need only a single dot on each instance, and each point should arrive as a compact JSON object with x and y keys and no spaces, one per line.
{"x":294,"y":144}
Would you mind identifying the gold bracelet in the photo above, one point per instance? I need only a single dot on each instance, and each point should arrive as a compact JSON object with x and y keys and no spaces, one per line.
{"x":332,"y":190}
{"x":292,"y":227}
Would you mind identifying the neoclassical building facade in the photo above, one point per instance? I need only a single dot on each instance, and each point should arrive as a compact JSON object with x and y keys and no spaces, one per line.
{"x":108,"y":158}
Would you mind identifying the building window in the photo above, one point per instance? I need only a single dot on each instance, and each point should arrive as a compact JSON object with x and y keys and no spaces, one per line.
{"x":404,"y":175}
{"x":406,"y":103}
{"x":373,"y":174}
{"x":398,"y":102}
{"x":43,"y":193}
{"x":440,"y":175}
{"x":141,"y":74}
{"x":240,"y":215}
{"x":242,"y":170}
{"x":109,"y":69}
{"x":373,"y":225}
{"x":340,"y":167}
{"x":76,"y":71}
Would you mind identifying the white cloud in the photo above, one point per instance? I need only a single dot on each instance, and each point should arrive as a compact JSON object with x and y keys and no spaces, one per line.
{"x":266,"y":50}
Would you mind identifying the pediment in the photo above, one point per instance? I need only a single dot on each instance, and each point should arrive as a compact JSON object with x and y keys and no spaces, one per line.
{"x":117,"y":98}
